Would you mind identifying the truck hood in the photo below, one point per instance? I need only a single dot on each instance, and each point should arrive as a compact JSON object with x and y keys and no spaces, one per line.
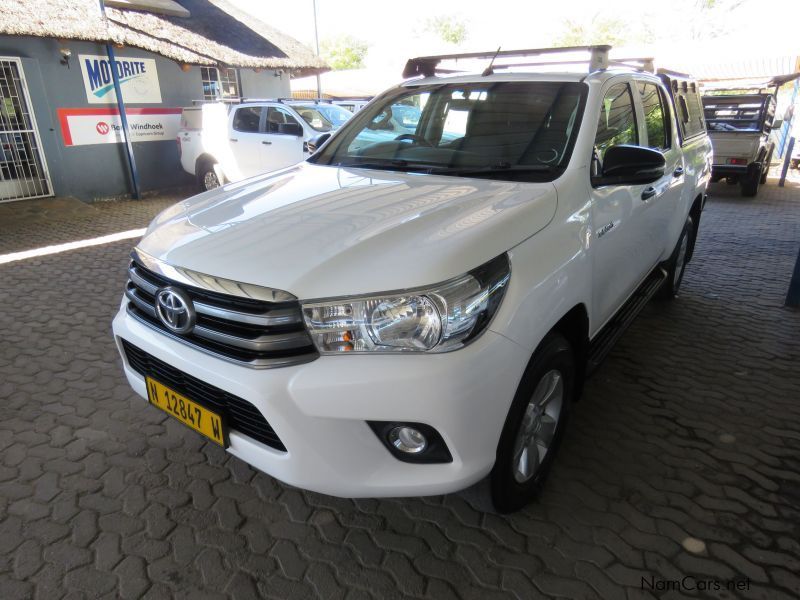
{"x":320,"y":231}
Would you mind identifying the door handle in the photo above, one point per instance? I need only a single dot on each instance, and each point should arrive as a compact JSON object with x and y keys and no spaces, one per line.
{"x":648,"y":193}
{"x":678,"y":172}
{"x":234,"y":140}
{"x":266,"y":143}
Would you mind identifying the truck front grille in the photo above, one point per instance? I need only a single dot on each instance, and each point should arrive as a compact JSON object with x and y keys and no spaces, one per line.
{"x":247,"y":331}
{"x":239,"y":414}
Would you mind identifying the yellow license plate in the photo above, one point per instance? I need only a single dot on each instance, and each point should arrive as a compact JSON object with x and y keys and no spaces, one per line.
{"x":186,"y":411}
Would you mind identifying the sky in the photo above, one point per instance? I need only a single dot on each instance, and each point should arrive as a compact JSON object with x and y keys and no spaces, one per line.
{"x":676,"y":32}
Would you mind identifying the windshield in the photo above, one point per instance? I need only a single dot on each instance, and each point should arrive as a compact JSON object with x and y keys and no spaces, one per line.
{"x":323,"y":117}
{"x":731,"y":115}
{"x":506,"y":130}
{"x":335,"y":114}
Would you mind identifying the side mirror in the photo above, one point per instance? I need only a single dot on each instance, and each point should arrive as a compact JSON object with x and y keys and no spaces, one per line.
{"x":316,"y":142}
{"x":629,"y":165}
{"x":777,"y":124}
{"x":290,"y":129}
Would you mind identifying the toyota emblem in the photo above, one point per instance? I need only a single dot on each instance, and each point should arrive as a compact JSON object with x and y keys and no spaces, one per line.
{"x":174,"y":308}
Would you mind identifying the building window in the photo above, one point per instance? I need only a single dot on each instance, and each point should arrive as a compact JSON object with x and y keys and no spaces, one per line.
{"x":220,"y":84}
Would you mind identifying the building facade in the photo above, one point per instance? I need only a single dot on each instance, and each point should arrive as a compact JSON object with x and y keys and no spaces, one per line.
{"x":60,"y":125}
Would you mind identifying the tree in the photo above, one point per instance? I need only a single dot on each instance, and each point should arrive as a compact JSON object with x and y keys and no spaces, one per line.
{"x":344,"y":52}
{"x":449,"y":29}
{"x":713,"y":18}
{"x":599,"y":30}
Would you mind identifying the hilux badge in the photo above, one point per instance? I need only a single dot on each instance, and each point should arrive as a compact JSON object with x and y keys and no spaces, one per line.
{"x":605,"y":229}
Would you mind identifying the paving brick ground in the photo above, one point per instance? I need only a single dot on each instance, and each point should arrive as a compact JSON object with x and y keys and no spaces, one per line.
{"x":687,"y":437}
{"x":44,"y":222}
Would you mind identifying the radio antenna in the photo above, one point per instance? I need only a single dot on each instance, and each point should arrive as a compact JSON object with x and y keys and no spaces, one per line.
{"x":488,"y":70}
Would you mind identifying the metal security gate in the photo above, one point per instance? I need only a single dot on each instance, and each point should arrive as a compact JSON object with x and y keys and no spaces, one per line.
{"x":23,"y":171}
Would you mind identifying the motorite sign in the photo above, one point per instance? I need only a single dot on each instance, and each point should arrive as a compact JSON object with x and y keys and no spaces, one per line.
{"x":138,"y":80}
{"x":87,"y":126}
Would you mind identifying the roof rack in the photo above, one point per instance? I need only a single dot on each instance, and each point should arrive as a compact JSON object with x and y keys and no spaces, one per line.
{"x":284,"y":100}
{"x":428,"y":66}
{"x":640,"y":64}
{"x":314,"y":100}
{"x":281,"y":100}
{"x":218,"y":101}
{"x":674,"y":74}
{"x":598,"y":60}
{"x":244,"y":100}
{"x":760,"y":85}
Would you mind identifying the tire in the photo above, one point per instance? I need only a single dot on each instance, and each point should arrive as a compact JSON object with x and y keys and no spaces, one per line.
{"x":549,"y":382}
{"x":765,"y":168}
{"x":676,"y":264}
{"x":207,"y":177}
{"x":750,"y":184}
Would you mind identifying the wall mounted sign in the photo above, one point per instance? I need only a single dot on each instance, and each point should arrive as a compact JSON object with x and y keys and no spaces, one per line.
{"x":88,"y":126}
{"x":138,"y":80}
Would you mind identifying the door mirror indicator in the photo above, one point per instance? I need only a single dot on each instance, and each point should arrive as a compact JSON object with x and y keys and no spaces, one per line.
{"x":630,"y":165}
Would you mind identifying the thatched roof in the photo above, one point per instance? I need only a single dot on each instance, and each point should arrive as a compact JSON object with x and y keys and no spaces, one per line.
{"x":216,"y":33}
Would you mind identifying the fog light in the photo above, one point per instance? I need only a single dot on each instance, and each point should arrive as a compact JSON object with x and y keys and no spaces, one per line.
{"x":407,"y":439}
{"x":412,"y":442}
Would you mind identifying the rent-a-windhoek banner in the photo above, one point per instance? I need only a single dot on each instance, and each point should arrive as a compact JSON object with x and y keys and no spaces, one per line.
{"x":138,"y":78}
{"x":87,"y":126}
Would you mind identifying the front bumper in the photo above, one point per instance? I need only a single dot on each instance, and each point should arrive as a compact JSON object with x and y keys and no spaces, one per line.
{"x":320,"y":411}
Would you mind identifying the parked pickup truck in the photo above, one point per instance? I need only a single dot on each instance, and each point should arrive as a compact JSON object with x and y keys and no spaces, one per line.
{"x":229,"y":142}
{"x":739,"y":126}
{"x":415,"y":315}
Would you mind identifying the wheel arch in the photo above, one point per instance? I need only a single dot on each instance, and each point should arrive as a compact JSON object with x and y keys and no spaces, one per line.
{"x":695,"y":212}
{"x":207,"y":161}
{"x":204,"y":159}
{"x":574,"y":326}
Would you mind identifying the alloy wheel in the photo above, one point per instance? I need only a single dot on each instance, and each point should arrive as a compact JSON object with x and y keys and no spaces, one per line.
{"x":538,"y":428}
{"x":210,"y":180}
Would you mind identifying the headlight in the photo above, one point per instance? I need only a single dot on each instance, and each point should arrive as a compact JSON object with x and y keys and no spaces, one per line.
{"x":438,"y":318}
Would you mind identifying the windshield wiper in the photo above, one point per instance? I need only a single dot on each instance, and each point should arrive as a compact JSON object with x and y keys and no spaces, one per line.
{"x":499,"y":168}
{"x":390,"y":164}
{"x":399,"y":164}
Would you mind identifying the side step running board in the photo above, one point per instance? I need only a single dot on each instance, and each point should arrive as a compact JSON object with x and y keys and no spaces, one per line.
{"x":603,"y":342}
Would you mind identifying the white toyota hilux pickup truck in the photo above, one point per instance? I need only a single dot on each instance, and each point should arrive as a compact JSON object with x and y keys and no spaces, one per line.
{"x":222,"y":143}
{"x":415,"y":315}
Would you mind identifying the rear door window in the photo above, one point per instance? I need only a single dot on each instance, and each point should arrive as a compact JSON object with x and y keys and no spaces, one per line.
{"x":656,"y":118}
{"x":247,"y":119}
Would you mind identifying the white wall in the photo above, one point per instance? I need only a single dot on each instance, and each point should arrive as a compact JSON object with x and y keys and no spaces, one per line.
{"x":264,"y":84}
